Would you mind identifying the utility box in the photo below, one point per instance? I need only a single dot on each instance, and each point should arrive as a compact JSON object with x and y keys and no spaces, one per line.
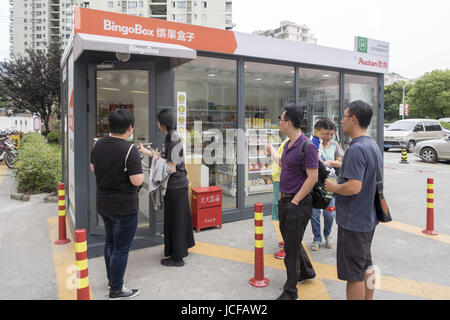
{"x":206,"y":207}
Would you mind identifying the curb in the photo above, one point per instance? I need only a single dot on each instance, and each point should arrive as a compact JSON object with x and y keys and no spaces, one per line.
{"x":16,"y":195}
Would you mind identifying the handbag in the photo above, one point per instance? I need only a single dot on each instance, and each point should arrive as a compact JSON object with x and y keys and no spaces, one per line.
{"x":318,"y":193}
{"x":381,"y":206}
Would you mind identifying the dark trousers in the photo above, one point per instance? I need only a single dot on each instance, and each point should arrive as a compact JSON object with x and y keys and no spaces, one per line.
{"x":120,"y":232}
{"x":178,"y":230}
{"x":293,"y":222}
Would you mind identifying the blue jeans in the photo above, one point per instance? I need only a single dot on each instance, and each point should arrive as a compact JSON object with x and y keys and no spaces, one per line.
{"x":276,"y":190}
{"x":328,"y":217}
{"x":120,"y":232}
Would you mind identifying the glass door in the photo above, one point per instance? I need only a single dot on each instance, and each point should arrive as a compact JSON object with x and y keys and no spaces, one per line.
{"x":128,"y":89}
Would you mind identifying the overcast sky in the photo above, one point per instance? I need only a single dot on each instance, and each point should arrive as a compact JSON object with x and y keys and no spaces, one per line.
{"x":417,"y":30}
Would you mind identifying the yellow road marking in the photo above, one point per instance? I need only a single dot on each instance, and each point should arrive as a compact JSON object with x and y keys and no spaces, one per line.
{"x":315,"y":290}
{"x":64,"y":261}
{"x":416,"y":231}
{"x":309,"y":290}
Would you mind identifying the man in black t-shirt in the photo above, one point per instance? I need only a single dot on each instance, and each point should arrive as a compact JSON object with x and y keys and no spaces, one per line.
{"x":118,"y":171}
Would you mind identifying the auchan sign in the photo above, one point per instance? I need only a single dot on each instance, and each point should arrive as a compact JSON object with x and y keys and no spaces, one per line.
{"x":111,"y":24}
{"x":373,"y":63}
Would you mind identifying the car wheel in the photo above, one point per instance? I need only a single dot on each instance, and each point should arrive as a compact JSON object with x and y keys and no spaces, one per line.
{"x":410,"y":146}
{"x":428,"y":154}
{"x":386,"y":149}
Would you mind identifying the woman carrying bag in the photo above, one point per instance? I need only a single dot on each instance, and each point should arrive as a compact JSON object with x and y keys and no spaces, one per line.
{"x":178,"y":231}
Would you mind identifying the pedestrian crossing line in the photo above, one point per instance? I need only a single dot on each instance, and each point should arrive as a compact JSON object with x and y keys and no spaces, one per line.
{"x":64,"y":262}
{"x":310,"y":290}
{"x":416,"y":231}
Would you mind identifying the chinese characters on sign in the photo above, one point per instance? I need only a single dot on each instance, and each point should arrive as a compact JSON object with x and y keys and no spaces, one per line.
{"x":210,"y":199}
{"x":138,"y":29}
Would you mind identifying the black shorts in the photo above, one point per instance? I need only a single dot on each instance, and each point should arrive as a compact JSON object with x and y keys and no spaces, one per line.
{"x":353,"y":254}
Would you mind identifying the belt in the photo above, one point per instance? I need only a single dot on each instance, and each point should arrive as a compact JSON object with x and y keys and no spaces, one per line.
{"x":287,"y":195}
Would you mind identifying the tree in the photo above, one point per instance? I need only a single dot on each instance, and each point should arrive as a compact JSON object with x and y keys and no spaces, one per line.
{"x":31,"y":83}
{"x":430,"y":95}
{"x":393,"y":97}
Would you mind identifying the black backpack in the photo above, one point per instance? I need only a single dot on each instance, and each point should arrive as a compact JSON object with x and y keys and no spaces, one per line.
{"x":319,"y":195}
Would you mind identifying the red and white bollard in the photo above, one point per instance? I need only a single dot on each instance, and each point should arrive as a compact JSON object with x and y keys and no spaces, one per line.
{"x":258,"y":280}
{"x":81,"y":261}
{"x":430,"y":208}
{"x":62,"y":239}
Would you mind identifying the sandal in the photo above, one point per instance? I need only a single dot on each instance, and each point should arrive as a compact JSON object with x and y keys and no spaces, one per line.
{"x":329,"y":243}
{"x":315,"y":246}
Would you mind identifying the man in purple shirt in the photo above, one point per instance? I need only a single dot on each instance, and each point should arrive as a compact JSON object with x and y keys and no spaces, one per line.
{"x":295,"y":204}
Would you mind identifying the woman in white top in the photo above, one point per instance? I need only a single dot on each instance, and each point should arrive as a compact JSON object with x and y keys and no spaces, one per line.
{"x":332,"y":153}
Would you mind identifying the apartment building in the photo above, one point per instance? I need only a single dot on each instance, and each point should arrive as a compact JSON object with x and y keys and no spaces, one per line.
{"x":36,"y":23}
{"x":290,"y":31}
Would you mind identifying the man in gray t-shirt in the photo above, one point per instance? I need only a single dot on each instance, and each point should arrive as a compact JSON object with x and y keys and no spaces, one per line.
{"x":355,"y":207}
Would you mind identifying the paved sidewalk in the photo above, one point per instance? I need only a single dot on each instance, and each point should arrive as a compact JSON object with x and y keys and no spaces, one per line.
{"x":412,"y":265}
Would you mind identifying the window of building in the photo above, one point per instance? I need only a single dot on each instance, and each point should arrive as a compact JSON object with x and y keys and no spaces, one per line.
{"x":181,"y":4}
{"x":141,"y":4}
{"x":173,"y":4}
{"x":211,"y":119}
{"x":204,"y":17}
{"x":363,"y":88}
{"x":132,"y":4}
{"x":228,"y":6}
{"x":110,"y":4}
{"x":204,"y":4}
{"x":319,"y":97}
{"x":180,"y":17}
{"x":269,"y":88}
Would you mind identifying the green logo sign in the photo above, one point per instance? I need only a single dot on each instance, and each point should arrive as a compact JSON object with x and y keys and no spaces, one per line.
{"x":362,"y":44}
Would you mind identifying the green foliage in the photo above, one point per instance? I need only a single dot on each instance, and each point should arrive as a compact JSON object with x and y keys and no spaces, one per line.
{"x":430,"y":95}
{"x":445,"y":125}
{"x":38,"y":168}
{"x":54,"y":136}
{"x":393,"y":97}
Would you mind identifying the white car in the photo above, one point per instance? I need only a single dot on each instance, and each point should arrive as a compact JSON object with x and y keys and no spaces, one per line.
{"x":407,"y":133}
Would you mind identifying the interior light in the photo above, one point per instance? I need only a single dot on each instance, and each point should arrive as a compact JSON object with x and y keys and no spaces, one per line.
{"x":258,"y":79}
{"x":110,"y":89}
{"x":211,"y":75}
{"x":326,"y":75}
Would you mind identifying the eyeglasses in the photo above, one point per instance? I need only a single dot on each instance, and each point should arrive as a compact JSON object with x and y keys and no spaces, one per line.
{"x":279,"y":119}
{"x":344,"y":116}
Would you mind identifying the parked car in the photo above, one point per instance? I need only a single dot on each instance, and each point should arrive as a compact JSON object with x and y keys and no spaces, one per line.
{"x":407,"y":133}
{"x":433,"y":150}
{"x":444,"y":119}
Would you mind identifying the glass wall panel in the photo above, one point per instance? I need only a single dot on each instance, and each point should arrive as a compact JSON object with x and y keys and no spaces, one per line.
{"x":210,"y":85}
{"x":319,"y":95}
{"x":268,"y":89}
{"x":363,"y":88}
{"x":126,"y":89}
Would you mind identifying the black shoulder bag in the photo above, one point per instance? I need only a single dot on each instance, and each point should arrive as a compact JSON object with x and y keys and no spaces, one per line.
{"x":318,"y":193}
{"x":381,"y":206}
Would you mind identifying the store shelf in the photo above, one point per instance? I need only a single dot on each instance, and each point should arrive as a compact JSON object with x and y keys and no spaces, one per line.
{"x":260,"y":189}
{"x":226,"y":173}
{"x":262,"y":172}
{"x":228,"y":190}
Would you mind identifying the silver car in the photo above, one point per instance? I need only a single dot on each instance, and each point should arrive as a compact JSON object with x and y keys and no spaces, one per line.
{"x":433,"y":150}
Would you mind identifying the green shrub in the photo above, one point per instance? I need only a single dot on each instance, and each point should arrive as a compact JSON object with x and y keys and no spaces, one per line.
{"x":38,"y":169}
{"x":445,"y":125}
{"x":32,"y":136}
{"x":54,"y":136}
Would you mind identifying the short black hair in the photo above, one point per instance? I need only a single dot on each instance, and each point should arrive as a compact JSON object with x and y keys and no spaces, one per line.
{"x":295,"y":115}
{"x":331,"y":125}
{"x":120,"y":120}
{"x":362,"y":111}
{"x":321,"y":124}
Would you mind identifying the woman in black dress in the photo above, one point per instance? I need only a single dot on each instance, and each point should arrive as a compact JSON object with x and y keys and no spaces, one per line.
{"x":178,"y":231}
